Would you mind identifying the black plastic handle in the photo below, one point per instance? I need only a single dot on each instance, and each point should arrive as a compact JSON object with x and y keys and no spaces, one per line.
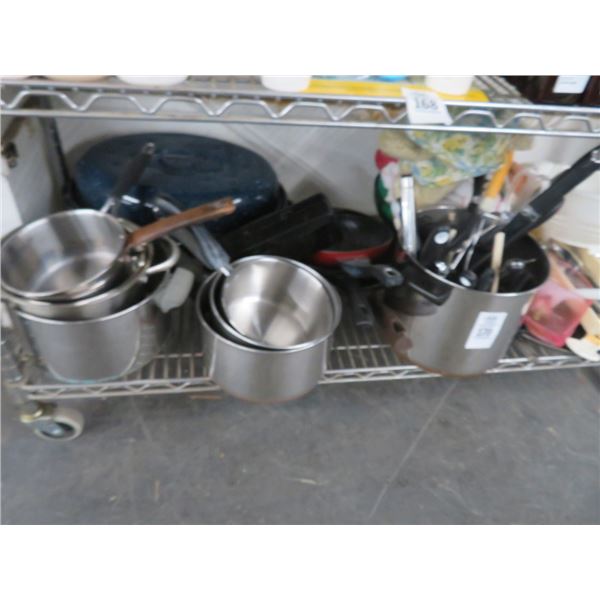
{"x":386,"y":275}
{"x":541,"y":208}
{"x":435,"y":247}
{"x":360,"y":309}
{"x":131,"y":175}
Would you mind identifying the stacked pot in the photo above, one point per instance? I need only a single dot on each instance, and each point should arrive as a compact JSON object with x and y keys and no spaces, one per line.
{"x":92,"y":292}
{"x":267,"y":324}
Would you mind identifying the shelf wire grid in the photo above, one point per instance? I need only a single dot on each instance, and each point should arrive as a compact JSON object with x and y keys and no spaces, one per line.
{"x":245,"y":100}
{"x":357,"y":355}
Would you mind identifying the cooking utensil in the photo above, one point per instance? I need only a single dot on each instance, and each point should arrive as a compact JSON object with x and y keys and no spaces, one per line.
{"x":101,"y":349}
{"x":259,"y":375}
{"x":497,"y":253}
{"x":410,"y":238}
{"x":491,"y":198}
{"x":278,"y":303}
{"x":190,"y":169}
{"x":199,"y":240}
{"x":73,"y":254}
{"x":435,"y":247}
{"x":356,"y":236}
{"x":111,"y":301}
{"x":467,"y":277}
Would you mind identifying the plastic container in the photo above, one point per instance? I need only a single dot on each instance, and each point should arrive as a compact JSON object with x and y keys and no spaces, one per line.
{"x":449,"y":84}
{"x":555,"y":313}
{"x":76,"y":78}
{"x":286,"y":83}
{"x":158,"y":80}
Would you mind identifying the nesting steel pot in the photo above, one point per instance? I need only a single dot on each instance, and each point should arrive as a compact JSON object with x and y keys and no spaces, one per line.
{"x":101,"y":349}
{"x":262,"y":374}
{"x":105,"y":303}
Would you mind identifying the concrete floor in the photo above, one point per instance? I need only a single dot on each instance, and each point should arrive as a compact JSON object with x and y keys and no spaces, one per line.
{"x":510,"y":448}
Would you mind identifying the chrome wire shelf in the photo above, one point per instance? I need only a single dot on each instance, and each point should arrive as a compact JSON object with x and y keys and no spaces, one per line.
{"x":357,"y":355}
{"x":245,"y":100}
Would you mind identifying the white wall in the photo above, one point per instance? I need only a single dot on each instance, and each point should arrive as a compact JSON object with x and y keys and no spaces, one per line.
{"x":28,"y":190}
{"x":338,"y":162}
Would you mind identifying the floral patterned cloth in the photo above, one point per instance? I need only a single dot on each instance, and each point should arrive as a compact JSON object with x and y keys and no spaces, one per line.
{"x":438,"y":158}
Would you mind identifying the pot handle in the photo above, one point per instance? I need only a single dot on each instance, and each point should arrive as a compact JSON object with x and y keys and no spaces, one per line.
{"x":427,"y":294}
{"x":198,"y":214}
{"x":128,"y":178}
{"x":360,"y":309}
{"x":169,"y":262}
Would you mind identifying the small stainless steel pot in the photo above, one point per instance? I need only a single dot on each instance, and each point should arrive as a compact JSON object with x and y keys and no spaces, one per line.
{"x":77,"y":253}
{"x":274,"y":303}
{"x":259,"y":375}
{"x":130,"y":291}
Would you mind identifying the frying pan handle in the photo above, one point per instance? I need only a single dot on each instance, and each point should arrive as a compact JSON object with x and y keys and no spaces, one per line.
{"x":198,"y":214}
{"x":360,"y":309}
{"x":564,"y":182}
{"x":386,"y":275}
{"x":169,"y":262}
{"x":542,"y":207}
{"x":129,"y":177}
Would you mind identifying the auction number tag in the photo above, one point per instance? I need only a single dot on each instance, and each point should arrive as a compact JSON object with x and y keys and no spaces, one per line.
{"x":485,"y":330}
{"x":570,"y":84}
{"x":426,"y":108}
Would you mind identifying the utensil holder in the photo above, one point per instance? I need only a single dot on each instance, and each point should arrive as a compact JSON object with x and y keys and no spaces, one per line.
{"x":449,"y":329}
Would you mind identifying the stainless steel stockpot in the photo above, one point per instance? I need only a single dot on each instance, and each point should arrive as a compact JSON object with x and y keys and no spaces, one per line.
{"x":130,"y":291}
{"x":452,"y":330}
{"x":254,"y":374}
{"x":101,"y":349}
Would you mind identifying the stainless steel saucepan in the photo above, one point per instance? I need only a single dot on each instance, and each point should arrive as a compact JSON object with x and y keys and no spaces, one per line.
{"x":76,"y":253}
{"x":274,"y":303}
{"x":260,"y":374}
{"x":108,"y":302}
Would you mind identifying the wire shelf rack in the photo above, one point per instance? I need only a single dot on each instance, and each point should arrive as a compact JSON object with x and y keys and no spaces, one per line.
{"x":245,"y":100}
{"x":357,"y":355}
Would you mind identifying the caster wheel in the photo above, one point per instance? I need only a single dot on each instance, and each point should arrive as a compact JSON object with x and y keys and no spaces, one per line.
{"x":54,"y":423}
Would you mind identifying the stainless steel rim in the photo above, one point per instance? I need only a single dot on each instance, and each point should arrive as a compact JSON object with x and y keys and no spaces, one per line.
{"x":147,"y":298}
{"x":90,"y":284}
{"x":135,"y":278}
{"x":334,"y":299}
{"x":202,"y":293}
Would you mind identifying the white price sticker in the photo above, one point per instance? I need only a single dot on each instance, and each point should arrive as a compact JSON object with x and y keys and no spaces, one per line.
{"x":426,"y":108}
{"x":570,"y":84}
{"x":485,"y":330}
